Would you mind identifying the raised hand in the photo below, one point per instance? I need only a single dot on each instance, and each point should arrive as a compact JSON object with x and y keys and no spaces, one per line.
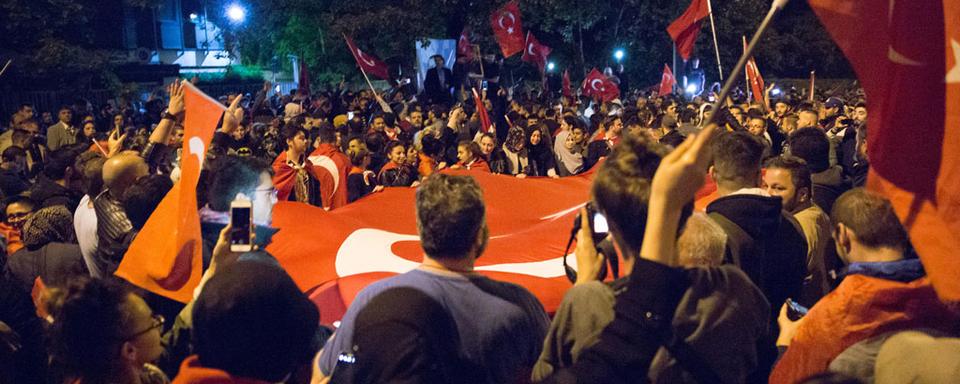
{"x":233,"y":116}
{"x":115,"y":142}
{"x":176,"y":105}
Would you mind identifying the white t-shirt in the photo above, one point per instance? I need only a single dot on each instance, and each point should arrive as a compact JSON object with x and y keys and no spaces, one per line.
{"x":85,"y":224}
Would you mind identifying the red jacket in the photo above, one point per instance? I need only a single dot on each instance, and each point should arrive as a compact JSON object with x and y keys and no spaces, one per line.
{"x":860,"y":308}
{"x":478,"y":164}
{"x":284,"y":176}
{"x":192,"y":373}
{"x":331,"y":167}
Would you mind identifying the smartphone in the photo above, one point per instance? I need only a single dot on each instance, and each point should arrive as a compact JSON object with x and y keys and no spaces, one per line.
{"x":795,"y":311}
{"x":350,"y":115}
{"x":241,"y":218}
{"x":483,"y":85}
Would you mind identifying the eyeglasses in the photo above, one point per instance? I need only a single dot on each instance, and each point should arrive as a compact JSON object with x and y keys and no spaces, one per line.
{"x":274,"y":193}
{"x":158,"y":322}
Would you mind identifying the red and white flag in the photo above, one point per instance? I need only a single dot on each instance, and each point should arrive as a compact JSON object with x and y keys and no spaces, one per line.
{"x":485,"y":123}
{"x":368,"y":63}
{"x":667,"y":81}
{"x":166,"y":256}
{"x":907,"y":57}
{"x":598,"y":86}
{"x":753,"y":76}
{"x":684,"y":29}
{"x":508,"y":29}
{"x":464,"y":48}
{"x":535,"y":52}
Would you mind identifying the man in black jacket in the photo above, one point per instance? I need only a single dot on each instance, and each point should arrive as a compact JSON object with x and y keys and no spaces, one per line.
{"x":438,"y":83}
{"x":762,"y":239}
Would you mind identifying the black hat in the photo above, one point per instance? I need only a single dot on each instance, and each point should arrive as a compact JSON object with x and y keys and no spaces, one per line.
{"x":403,"y":335}
{"x":252,"y":321}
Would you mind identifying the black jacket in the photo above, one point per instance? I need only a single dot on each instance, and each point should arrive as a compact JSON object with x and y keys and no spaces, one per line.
{"x":12,"y":183}
{"x":55,"y":263}
{"x":436,"y":91}
{"x":48,"y":193}
{"x":766,"y":242}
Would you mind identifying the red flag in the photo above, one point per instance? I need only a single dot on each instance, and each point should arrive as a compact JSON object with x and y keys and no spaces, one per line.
{"x":355,"y":246}
{"x":482,"y":111}
{"x":753,"y":76}
{"x":684,"y":29}
{"x":368,"y":63}
{"x":598,"y":86}
{"x":464,"y":48}
{"x":507,"y":29}
{"x":165,"y":257}
{"x":566,"y":83}
{"x":907,"y":57}
{"x":667,"y":81}
{"x":535,"y":52}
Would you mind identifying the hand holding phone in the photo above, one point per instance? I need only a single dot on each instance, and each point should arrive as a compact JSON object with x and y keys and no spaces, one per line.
{"x":795,"y":311}
{"x":241,"y":222}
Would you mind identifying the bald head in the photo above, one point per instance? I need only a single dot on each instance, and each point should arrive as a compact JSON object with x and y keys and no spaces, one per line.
{"x":121,"y":171}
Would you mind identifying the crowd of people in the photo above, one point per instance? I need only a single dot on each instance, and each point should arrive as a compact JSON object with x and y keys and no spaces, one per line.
{"x":789,"y":272}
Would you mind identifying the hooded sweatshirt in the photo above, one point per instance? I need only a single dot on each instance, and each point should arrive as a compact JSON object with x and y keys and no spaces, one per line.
{"x":765,"y":241}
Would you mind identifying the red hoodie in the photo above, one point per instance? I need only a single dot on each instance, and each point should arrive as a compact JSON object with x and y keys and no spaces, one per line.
{"x":192,"y":373}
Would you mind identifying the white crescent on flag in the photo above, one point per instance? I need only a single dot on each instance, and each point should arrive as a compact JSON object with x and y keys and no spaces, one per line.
{"x":364,"y":58}
{"x":593,"y":84}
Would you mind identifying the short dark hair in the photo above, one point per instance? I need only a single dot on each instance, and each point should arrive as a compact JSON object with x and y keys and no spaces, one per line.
{"x":58,"y":161}
{"x":89,"y":328}
{"x":391,"y":145}
{"x":621,"y":188}
{"x":327,"y":134}
{"x":12,"y":153}
{"x":450,"y":214}
{"x":232,"y":175}
{"x":90,"y":167}
{"x":812,"y":145}
{"x":871,"y":217}
{"x":291,"y":130}
{"x":799,"y":172}
{"x":252,"y":321}
{"x":143,"y":197}
{"x":736,"y":158}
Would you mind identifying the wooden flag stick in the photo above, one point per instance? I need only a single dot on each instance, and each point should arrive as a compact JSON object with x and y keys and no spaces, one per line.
{"x":5,"y":67}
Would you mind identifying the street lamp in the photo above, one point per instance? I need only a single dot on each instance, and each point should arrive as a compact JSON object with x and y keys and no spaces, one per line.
{"x":619,"y":54}
{"x":551,"y":66}
{"x":236,"y":13}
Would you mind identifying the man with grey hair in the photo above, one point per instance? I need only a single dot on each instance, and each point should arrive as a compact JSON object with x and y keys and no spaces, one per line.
{"x":501,"y":326}
{"x":702,"y":242}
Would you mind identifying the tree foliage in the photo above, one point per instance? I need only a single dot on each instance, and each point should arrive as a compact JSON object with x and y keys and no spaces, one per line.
{"x":582,"y":33}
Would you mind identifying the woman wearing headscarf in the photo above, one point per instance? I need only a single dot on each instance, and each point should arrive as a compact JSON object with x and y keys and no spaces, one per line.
{"x":540,"y":157}
{"x":514,"y":148}
{"x":49,"y":251}
{"x":569,"y":154}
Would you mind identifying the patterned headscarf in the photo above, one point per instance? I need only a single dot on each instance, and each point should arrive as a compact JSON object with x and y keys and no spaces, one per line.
{"x":516,"y":138}
{"x":48,"y":225}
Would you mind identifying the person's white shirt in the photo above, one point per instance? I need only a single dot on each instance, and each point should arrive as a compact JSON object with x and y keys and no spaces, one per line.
{"x":85,"y":224}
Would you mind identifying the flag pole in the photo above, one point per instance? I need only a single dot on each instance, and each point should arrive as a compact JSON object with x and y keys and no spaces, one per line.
{"x":716,"y":46}
{"x":746,"y":75}
{"x":5,"y":66}
{"x":674,"y":69}
{"x":813,"y":77}
{"x":725,"y":91}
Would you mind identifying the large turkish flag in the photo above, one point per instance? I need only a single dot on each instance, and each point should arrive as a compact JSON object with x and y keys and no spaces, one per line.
{"x":907,"y":56}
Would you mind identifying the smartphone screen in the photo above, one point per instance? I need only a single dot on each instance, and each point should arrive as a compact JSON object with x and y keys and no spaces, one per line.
{"x":240,"y":223}
{"x":349,"y":115}
{"x":600,"y":224}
